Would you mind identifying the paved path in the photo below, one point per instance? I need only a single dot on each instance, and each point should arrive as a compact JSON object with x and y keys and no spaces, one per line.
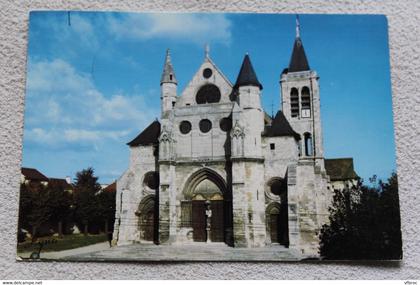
{"x":191,"y":252}
{"x":69,"y":252}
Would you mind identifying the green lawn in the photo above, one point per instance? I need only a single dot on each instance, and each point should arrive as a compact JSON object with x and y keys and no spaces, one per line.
{"x":67,"y":242}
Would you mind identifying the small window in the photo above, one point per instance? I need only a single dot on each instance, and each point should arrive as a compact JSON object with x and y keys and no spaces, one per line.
{"x":272,"y":146}
{"x":173,"y":104}
{"x":207,"y":73}
{"x":308,"y":144}
{"x":188,"y":104}
{"x":205,"y":126}
{"x":151,"y":180}
{"x":278,"y":186}
{"x":294,"y":102}
{"x":170,"y":77}
{"x":185,"y":127}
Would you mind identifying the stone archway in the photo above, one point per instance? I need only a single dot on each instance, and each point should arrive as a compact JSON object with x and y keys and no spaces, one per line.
{"x":206,"y":190}
{"x":277,"y":218}
{"x":146,"y":219}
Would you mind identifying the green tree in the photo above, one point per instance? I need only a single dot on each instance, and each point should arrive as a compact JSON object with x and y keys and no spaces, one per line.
{"x":86,"y":188}
{"x":364,"y":223}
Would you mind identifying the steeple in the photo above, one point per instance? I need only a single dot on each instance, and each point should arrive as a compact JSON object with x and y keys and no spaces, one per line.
{"x":298,"y":61}
{"x":247,"y":76}
{"x":168,"y":74}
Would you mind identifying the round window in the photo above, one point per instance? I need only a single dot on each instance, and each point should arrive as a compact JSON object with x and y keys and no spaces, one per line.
{"x":205,"y":126}
{"x":151,"y":179}
{"x":208,"y":94}
{"x":225,"y":124}
{"x":207,"y":72}
{"x":185,"y":127}
{"x":278,"y":187}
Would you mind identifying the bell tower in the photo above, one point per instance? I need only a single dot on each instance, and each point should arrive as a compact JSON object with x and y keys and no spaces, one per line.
{"x":300,"y":100}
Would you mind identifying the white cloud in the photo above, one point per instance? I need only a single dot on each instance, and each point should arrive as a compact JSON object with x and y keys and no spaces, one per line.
{"x":64,"y":106}
{"x":199,"y":28}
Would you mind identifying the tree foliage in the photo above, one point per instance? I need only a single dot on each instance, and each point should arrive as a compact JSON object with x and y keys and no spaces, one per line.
{"x":42,"y":208}
{"x":364,"y":223}
{"x":92,"y":206}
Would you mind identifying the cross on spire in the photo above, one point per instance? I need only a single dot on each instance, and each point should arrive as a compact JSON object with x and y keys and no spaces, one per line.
{"x":206,"y":50}
{"x":297,"y":27}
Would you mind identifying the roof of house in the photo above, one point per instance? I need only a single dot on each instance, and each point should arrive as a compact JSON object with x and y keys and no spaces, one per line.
{"x":60,"y":182}
{"x":247,"y":75}
{"x":33,"y":174}
{"x":148,"y":136}
{"x":340,"y":169}
{"x":298,"y":61}
{"x":280,"y":127}
{"x":111,"y":187}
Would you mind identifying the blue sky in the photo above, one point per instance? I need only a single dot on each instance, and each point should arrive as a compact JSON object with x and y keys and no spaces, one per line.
{"x":93,"y":80}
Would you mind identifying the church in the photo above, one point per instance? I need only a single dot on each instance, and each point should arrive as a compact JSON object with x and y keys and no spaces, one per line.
{"x":217,"y":169}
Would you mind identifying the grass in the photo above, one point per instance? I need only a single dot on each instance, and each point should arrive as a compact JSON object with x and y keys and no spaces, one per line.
{"x":59,"y":244}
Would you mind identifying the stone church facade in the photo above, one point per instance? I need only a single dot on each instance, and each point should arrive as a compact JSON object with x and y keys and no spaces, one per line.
{"x":217,"y":169}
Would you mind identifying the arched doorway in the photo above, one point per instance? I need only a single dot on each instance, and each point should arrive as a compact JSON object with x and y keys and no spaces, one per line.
{"x":207,"y":194}
{"x":146,"y":220}
{"x":277,"y":218}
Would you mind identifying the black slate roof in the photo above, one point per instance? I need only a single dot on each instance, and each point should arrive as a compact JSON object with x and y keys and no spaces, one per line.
{"x":148,"y":136}
{"x":340,"y":169}
{"x":298,"y":61}
{"x":280,"y":127}
{"x":247,"y":75}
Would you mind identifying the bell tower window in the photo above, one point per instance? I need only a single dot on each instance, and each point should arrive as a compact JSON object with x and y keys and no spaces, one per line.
{"x":306,"y":102}
{"x":294,"y":102}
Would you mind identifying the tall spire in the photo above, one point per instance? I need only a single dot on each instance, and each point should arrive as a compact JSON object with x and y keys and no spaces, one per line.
{"x":247,"y":75}
{"x":298,"y":61}
{"x":168,"y":74}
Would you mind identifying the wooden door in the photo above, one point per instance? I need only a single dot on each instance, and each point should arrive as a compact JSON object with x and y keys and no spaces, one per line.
{"x":284,"y":225}
{"x":199,"y":221}
{"x":217,"y":221}
{"x":274,"y":228}
{"x":148,"y":226}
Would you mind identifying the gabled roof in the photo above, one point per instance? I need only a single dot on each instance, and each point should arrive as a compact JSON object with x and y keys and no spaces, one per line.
{"x":298,"y":61}
{"x":111,"y":187}
{"x":33,"y":174}
{"x":280,"y":127}
{"x":247,"y":75}
{"x":148,"y":136}
{"x":340,"y":169}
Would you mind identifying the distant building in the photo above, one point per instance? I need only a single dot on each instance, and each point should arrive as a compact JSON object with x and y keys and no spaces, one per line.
{"x":33,"y":178}
{"x":217,"y":169}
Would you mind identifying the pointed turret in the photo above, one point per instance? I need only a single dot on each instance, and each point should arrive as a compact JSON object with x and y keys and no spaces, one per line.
{"x":247,"y":75}
{"x":168,"y":74}
{"x":168,"y":86}
{"x":298,"y":61}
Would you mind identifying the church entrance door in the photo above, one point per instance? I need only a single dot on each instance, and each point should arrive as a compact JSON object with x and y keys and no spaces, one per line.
{"x":199,"y":221}
{"x":207,"y":191}
{"x":146,"y":215}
